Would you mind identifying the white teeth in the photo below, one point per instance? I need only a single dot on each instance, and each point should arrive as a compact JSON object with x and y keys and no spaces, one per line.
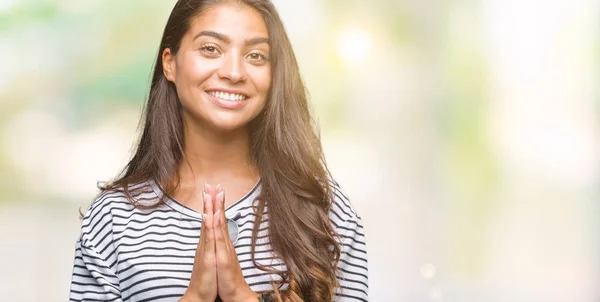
{"x":228,"y":96}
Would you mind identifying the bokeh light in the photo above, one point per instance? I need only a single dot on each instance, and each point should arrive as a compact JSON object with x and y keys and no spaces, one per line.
{"x":466,"y":134}
{"x":354,"y":46}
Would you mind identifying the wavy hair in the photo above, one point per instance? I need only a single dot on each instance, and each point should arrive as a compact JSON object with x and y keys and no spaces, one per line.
{"x":284,"y":144}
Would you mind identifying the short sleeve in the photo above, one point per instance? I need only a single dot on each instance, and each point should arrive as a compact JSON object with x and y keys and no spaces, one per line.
{"x":94,"y":275}
{"x":92,"y":279}
{"x":352,"y":272}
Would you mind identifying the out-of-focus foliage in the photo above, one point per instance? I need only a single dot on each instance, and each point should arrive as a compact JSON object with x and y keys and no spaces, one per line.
{"x":465,"y":132}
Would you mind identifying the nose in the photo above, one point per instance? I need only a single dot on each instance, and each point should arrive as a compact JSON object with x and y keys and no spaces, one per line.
{"x":232,"y":68}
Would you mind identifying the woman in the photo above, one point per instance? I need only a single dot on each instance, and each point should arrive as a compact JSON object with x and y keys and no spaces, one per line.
{"x":226,"y":106}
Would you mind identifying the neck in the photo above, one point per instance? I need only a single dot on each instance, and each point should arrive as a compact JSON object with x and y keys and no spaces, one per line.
{"x":214,"y":157}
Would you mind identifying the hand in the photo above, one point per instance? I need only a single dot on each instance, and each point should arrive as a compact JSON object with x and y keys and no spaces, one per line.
{"x":203,"y":282}
{"x":232,"y":286}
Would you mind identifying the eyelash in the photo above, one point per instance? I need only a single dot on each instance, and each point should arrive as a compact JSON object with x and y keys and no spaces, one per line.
{"x":262,"y":55}
{"x":205,"y":48}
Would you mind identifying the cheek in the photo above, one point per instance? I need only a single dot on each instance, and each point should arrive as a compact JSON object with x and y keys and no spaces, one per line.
{"x":193,"y":70}
{"x":263,"y":80}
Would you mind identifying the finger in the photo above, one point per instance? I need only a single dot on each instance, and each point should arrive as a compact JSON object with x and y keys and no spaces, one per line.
{"x":202,"y":228}
{"x":207,"y":190}
{"x":214,"y":191}
{"x":225,"y":231}
{"x":221,"y":238}
{"x":209,"y":244}
{"x":202,"y":240}
{"x":207,"y":237}
{"x":207,"y":200}
{"x":218,"y":189}
{"x":206,"y":206}
{"x":207,"y":217}
{"x":221,"y":219}
{"x":218,"y":202}
{"x":224,"y":227}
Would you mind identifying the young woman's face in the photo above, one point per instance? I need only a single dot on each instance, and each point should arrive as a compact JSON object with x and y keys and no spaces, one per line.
{"x":222,"y":70}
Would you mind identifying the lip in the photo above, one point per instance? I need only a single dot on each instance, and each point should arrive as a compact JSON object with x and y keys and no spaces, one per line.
{"x":226,"y":103}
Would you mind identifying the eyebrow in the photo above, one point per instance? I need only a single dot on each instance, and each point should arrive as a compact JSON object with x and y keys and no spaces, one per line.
{"x":227,"y":40}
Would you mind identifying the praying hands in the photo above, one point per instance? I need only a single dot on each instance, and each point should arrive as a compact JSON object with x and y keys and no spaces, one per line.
{"x":216,"y":268}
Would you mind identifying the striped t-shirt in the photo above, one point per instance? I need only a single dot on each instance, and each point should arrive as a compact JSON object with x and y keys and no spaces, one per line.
{"x":125,"y":253}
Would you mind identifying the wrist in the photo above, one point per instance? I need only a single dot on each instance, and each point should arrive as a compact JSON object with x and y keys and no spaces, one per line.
{"x":187,"y":297}
{"x":246,"y":296}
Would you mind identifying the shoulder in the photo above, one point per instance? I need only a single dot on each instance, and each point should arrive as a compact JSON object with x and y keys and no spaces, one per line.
{"x":341,"y":206}
{"x":99,"y":215}
{"x":342,"y":212}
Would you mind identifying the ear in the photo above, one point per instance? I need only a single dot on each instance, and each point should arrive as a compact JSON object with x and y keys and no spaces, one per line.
{"x":168,"y":64}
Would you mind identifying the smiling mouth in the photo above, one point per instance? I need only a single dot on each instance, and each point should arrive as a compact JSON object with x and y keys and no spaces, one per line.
{"x":232,"y":97}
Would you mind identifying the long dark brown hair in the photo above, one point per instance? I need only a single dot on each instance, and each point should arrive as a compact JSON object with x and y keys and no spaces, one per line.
{"x":284,"y":144}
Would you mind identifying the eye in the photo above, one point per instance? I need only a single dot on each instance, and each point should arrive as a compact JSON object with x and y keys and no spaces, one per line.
{"x":210,"y":49}
{"x":257,"y":56}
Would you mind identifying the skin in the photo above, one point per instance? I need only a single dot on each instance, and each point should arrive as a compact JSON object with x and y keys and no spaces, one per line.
{"x":215,"y":53}
{"x":216,"y":139}
{"x":216,"y":266}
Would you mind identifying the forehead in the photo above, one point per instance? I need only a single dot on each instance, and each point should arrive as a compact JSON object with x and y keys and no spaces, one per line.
{"x":239,"y":22}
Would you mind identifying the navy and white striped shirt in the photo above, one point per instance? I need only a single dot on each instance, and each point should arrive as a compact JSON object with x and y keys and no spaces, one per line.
{"x":126,"y":253}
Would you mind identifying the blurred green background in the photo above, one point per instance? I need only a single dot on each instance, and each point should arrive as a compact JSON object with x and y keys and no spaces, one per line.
{"x":465,"y":132}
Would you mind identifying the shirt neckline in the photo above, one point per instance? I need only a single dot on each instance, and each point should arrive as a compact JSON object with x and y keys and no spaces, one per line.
{"x":183,"y":209}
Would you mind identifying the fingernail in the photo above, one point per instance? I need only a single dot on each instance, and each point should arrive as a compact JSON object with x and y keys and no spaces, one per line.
{"x":219,"y":188}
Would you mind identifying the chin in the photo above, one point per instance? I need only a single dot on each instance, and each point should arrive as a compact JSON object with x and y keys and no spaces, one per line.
{"x":228,"y":125}
{"x":231,"y":120}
